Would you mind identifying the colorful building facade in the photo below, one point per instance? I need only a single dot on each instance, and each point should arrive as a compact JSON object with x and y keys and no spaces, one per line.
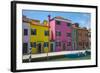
{"x":56,"y":34}
{"x":61,"y":33}
{"x":83,"y":39}
{"x":39,"y":37}
{"x":25,"y":34}
{"x":35,"y":36}
{"x":89,"y":35}
{"x":75,"y":36}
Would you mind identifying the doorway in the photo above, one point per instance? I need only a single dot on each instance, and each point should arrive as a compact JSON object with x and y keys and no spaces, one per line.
{"x":39,"y":47}
{"x":64,"y":46}
{"x":51,"y":47}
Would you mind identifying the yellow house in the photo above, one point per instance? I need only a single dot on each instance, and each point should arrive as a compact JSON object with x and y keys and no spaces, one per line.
{"x":39,"y":37}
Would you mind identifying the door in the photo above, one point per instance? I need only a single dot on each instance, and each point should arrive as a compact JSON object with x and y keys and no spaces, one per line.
{"x":25,"y":48}
{"x":64,"y":46}
{"x":51,"y":47}
{"x":74,"y":46}
{"x":39,"y":47}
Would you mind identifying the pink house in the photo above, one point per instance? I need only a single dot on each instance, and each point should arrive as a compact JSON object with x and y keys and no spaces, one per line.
{"x":61,"y":33}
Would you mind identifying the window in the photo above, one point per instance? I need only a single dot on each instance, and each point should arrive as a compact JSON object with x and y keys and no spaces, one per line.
{"x":68,"y":24}
{"x":33,"y":44}
{"x":58,"y":43}
{"x":86,"y":34}
{"x":33,"y":31}
{"x":58,"y":33}
{"x":80,"y":34}
{"x":46,"y":44}
{"x":46,"y":33}
{"x":58,"y":22}
{"x":80,"y":43}
{"x":83,"y":44}
{"x":87,"y":44}
{"x":89,"y":34}
{"x":68,"y":34}
{"x":25,"y":31}
{"x":68,"y":43}
{"x":25,"y":46}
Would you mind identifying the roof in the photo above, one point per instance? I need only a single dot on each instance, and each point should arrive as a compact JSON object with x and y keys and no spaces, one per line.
{"x":25,"y":19}
{"x":59,"y":17}
{"x":82,"y":29}
{"x":40,"y":25}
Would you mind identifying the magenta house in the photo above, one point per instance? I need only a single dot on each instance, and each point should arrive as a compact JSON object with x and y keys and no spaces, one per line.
{"x":61,"y":33}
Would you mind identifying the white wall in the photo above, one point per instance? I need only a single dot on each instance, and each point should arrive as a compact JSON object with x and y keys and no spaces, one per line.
{"x":5,"y":36}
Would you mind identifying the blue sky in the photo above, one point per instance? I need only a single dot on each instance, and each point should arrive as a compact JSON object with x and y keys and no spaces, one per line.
{"x":82,"y":18}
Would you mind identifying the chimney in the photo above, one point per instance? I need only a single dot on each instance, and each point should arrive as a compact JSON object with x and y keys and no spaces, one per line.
{"x":49,"y":18}
{"x":84,"y":28}
{"x":76,"y":24}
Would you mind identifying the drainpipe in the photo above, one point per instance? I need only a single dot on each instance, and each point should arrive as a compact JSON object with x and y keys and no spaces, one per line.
{"x":49,"y":17}
{"x":30,"y":48}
